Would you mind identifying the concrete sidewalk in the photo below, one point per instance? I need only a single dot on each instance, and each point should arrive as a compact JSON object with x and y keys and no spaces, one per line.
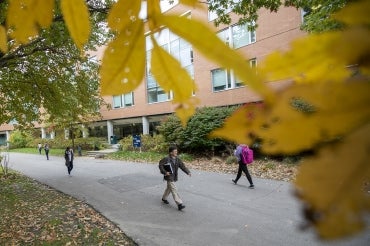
{"x":217,"y":211}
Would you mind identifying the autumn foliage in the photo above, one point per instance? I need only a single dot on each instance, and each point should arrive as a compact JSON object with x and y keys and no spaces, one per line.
{"x":329,"y":71}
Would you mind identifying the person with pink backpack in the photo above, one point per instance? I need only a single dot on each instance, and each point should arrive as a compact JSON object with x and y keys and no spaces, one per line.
{"x":245,"y":157}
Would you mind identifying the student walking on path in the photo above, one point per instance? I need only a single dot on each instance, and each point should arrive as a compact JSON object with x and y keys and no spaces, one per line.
{"x":46,"y":148}
{"x":242,"y":166}
{"x":68,"y":156}
{"x":169,"y":168}
{"x":39,"y":147}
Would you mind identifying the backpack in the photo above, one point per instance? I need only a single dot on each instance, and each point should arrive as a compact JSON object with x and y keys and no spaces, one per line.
{"x":247,"y":155}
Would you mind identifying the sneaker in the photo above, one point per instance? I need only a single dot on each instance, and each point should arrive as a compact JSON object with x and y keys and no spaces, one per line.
{"x":234,"y":181}
{"x":165,"y":201}
{"x":251,"y":187}
{"x":181,"y":207}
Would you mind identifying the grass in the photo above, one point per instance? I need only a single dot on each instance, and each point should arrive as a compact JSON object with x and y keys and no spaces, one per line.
{"x":151,"y":157}
{"x":55,"y":152}
{"x":33,"y":214}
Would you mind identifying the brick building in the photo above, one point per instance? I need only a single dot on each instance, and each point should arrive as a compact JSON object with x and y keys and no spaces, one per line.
{"x":141,"y":111}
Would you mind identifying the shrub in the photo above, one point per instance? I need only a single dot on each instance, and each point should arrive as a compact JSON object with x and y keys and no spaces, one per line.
{"x":61,"y":143}
{"x":19,"y":139}
{"x":149,"y":143}
{"x":231,"y":160}
{"x":194,"y":137}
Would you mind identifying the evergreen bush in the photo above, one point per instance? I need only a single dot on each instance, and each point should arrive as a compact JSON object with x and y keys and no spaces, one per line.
{"x":194,"y":137}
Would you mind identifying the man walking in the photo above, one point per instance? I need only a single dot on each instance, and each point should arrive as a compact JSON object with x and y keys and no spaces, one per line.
{"x":169,"y":168}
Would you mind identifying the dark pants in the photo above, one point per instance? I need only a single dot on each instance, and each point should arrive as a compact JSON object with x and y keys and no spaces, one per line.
{"x":70,"y":166}
{"x":243,"y":168}
{"x":47,"y":154}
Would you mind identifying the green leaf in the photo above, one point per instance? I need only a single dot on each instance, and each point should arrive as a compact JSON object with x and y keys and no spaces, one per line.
{"x":76,"y":16}
{"x":123,"y":62}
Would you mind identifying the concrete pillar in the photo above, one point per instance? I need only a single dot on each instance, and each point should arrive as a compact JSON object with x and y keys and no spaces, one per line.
{"x":52,"y":134}
{"x":8,"y":137}
{"x":85,"y":132}
{"x":43,"y":133}
{"x":66,"y":134}
{"x":109,"y":129}
{"x":145,"y":122}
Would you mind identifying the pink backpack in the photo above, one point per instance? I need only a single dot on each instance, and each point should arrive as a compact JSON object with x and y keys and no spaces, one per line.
{"x":247,"y":155}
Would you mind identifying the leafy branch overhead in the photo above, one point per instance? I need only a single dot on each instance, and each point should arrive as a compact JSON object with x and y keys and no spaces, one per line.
{"x":329,"y":73}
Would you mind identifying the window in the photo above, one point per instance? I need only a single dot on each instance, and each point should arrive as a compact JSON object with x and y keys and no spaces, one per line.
{"x":223,"y":79}
{"x":178,"y":48}
{"x":237,"y":36}
{"x":124,"y":100}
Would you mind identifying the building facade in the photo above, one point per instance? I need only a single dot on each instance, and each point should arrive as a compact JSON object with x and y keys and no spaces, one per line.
{"x":140,"y":111}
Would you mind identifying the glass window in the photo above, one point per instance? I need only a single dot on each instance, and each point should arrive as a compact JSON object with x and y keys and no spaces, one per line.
{"x":117,"y":101}
{"x":152,"y":95}
{"x":252,"y":64}
{"x":178,"y":48}
{"x":237,"y":36}
{"x":219,"y":79}
{"x":128,"y":99}
{"x":224,"y":36}
{"x":162,"y":37}
{"x":175,"y":49}
{"x":241,"y":36}
{"x":124,"y":100}
{"x":157,"y":94}
{"x":151,"y":83}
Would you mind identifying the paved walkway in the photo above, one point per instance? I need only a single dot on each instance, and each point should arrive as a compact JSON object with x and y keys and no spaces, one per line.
{"x":217,"y":212}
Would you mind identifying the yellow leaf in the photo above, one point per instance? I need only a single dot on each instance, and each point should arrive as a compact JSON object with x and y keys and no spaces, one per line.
{"x":171,"y":76}
{"x":193,"y":3}
{"x":123,"y":62}
{"x":3,"y":40}
{"x":285,"y":129}
{"x":44,"y":12}
{"x":336,"y":110}
{"x":186,"y":109}
{"x":207,"y":42}
{"x":355,"y":13}
{"x":153,"y":9}
{"x":21,"y":20}
{"x":238,"y":128}
{"x":76,"y":16}
{"x":122,"y":13}
{"x":302,"y":66}
{"x":333,"y":184}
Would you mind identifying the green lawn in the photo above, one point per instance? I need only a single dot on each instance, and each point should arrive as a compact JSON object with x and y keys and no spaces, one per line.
{"x":119,"y":155}
{"x":55,"y":152}
{"x":143,"y":156}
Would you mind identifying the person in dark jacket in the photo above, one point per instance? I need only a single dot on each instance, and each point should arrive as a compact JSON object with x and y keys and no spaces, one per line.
{"x":169,"y":168}
{"x":46,"y":148}
{"x":68,"y":156}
